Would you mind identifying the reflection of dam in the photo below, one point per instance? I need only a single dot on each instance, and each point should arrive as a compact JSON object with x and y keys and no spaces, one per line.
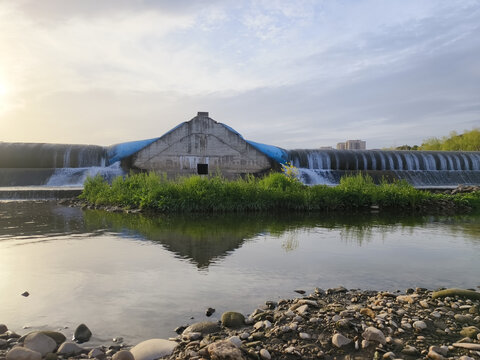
{"x":205,"y":146}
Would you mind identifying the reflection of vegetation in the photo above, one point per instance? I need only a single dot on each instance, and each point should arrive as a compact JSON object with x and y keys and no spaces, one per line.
{"x":274,"y":192}
{"x":205,"y":239}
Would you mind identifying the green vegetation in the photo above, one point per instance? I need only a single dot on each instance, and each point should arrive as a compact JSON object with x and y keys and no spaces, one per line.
{"x":468,"y":141}
{"x":274,"y":192}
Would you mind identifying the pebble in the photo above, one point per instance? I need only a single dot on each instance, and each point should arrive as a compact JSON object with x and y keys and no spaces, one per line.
{"x":222,"y":350}
{"x":21,"y":353}
{"x":153,"y":349}
{"x":419,"y":325}
{"x":69,"y":348}
{"x":40,"y":342}
{"x":264,"y":354}
{"x":340,"y":341}
{"x":373,"y":334}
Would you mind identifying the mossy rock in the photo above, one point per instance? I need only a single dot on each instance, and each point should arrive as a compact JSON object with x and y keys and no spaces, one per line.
{"x":469,"y":294}
{"x":203,"y":327}
{"x":232,"y":319}
{"x":470,"y":331}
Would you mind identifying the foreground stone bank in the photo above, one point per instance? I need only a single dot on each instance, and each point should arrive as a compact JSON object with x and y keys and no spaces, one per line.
{"x":332,"y":324}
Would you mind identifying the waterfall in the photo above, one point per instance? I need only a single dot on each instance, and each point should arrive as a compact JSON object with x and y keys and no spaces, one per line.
{"x":420,"y":168}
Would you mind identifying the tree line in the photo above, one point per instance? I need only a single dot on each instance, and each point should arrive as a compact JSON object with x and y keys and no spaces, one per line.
{"x":468,"y":141}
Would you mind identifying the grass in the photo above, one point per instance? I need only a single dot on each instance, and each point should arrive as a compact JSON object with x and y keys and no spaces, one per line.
{"x":274,"y":192}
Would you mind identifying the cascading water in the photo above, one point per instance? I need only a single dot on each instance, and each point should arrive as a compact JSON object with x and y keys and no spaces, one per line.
{"x":53,"y":165}
{"x":420,"y":168}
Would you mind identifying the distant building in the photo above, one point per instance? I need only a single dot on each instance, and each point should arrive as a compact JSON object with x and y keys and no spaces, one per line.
{"x":325,"y":148}
{"x":356,"y":145}
{"x":341,"y":146}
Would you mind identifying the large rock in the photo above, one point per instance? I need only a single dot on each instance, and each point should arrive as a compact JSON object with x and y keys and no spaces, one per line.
{"x":82,"y":334}
{"x":470,"y":331}
{"x":69,"y":348}
{"x":21,"y":353}
{"x":123,"y":355}
{"x":40,"y":342}
{"x":223,"y":350}
{"x":58,"y":337}
{"x":3,"y":328}
{"x":204,"y":327}
{"x":339,"y":340}
{"x":232,"y":319}
{"x":373,"y":334}
{"x":153,"y":349}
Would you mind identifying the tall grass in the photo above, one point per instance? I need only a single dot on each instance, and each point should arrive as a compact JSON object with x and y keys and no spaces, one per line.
{"x":274,"y":192}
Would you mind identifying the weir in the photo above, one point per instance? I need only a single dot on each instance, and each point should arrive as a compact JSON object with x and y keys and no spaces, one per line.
{"x":420,"y":168}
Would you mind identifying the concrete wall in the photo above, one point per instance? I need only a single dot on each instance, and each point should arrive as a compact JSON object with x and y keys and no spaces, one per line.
{"x":201,"y":141}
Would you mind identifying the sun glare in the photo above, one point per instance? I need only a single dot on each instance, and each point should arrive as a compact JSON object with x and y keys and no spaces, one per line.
{"x":3,"y":89}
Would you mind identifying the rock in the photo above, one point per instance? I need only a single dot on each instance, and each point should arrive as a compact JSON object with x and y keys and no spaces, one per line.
{"x":51,"y":356}
{"x":232,"y":319}
{"x":3,"y":343}
{"x":419,"y":325}
{"x":3,"y":328}
{"x":235,"y":340}
{"x":57,"y":336}
{"x":21,"y":353}
{"x":339,"y":340}
{"x":25,"y":293}
{"x":264,"y":354}
{"x":123,"y":355}
{"x":193,"y":336}
{"x":302,"y":310}
{"x":367,"y":312}
{"x":468,"y":346}
{"x":373,"y":334}
{"x":410,"y":351}
{"x":462,"y":318}
{"x":69,"y":348}
{"x":470,"y":331}
{"x":434,"y":355}
{"x":153,"y":349}
{"x":304,"y":336}
{"x":442,"y":350}
{"x":203,"y":327}
{"x":465,"y":357}
{"x":96,"y":353}
{"x":209,"y":311}
{"x":82,"y":334}
{"x":389,"y":355}
{"x":40,"y":343}
{"x":222,"y":350}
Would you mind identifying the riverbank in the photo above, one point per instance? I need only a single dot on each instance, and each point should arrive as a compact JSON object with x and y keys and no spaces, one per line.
{"x":274,"y":192}
{"x":331,"y":324}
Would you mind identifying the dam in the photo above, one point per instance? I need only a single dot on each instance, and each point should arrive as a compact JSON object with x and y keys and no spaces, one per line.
{"x":204,"y":146}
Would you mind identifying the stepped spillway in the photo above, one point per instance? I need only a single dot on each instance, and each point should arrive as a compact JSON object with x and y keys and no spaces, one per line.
{"x":420,"y":168}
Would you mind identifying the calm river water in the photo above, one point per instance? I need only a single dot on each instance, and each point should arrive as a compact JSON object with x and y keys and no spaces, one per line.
{"x":139,"y":277}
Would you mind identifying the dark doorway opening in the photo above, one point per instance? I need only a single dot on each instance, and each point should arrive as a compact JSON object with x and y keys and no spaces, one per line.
{"x":202,"y":169}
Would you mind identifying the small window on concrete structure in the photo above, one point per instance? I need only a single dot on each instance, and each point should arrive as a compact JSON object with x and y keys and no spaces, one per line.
{"x":202,"y":169}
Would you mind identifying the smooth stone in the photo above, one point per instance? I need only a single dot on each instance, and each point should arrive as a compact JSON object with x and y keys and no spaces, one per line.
{"x":434,"y":355}
{"x":302,"y":310}
{"x":55,"y":335}
{"x":373,"y":334}
{"x":419,"y":325}
{"x":223,"y":349}
{"x":304,"y":336}
{"x":123,"y":355}
{"x":3,"y":343}
{"x":264,"y":354}
{"x":3,"y":328}
{"x":82,"y":334}
{"x":389,"y":355}
{"x":410,"y":350}
{"x":96,"y":353}
{"x":194,"y":336}
{"x":465,"y":357}
{"x":468,"y":346}
{"x":21,"y":353}
{"x":235,"y":340}
{"x":339,"y":340}
{"x":232,"y":319}
{"x":470,"y":331}
{"x":40,"y":342}
{"x":368,"y":312}
{"x":153,"y":349}
{"x":69,"y":348}
{"x":203,"y":327}
{"x":442,"y":350}
{"x":209,"y":311}
{"x":51,"y":356}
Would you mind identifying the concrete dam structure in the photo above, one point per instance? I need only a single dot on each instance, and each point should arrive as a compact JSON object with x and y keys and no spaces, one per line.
{"x":204,"y":146}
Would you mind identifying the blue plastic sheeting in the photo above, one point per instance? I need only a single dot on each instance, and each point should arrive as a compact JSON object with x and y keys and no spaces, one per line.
{"x":273,"y":152}
{"x":119,"y":151}
{"x":233,"y":130}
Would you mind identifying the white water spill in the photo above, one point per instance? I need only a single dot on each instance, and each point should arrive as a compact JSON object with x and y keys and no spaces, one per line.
{"x":75,"y":177}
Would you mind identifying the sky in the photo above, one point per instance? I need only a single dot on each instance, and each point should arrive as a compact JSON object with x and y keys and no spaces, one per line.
{"x":296,"y":74}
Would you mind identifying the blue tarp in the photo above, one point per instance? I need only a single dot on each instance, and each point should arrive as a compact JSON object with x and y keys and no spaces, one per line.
{"x":119,"y":151}
{"x":276,"y":153}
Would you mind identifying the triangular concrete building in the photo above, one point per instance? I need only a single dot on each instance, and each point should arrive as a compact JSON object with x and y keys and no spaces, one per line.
{"x":201,"y":146}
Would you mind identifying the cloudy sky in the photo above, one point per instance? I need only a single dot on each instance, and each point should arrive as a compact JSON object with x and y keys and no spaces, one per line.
{"x":297,"y":74}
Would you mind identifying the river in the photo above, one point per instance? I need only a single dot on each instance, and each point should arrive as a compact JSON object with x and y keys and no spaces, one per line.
{"x":138,"y":277}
